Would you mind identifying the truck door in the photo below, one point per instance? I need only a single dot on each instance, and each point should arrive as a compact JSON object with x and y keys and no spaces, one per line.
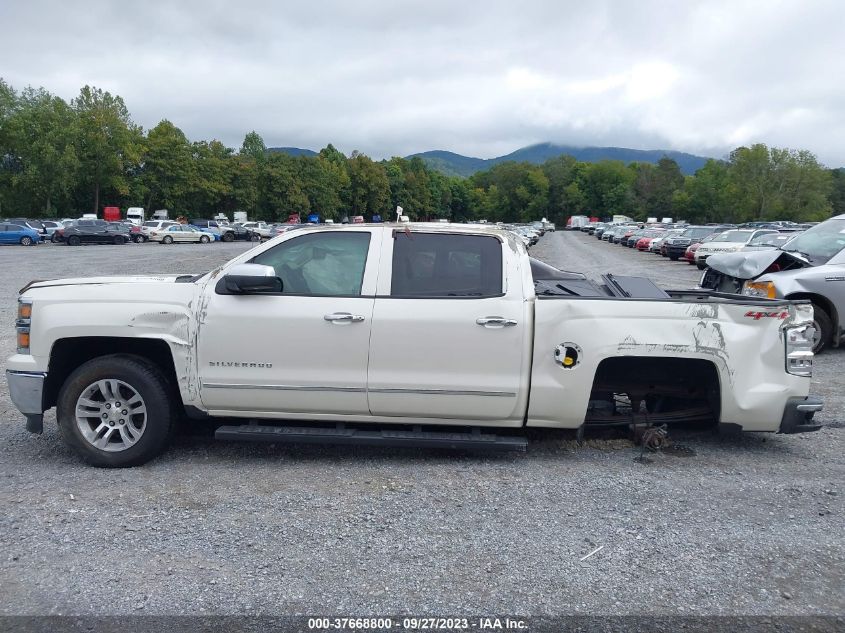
{"x":451,"y":332}
{"x":302,"y":351}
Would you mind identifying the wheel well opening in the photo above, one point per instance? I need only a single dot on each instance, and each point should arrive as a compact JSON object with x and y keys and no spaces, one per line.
{"x":662,"y":389}
{"x":823,"y":302}
{"x":68,"y":354}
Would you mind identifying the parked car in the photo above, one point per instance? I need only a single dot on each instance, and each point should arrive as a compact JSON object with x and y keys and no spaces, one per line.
{"x":180,"y":233}
{"x":154,"y":225}
{"x":92,"y":232}
{"x":810,"y":266}
{"x":262,"y":229}
{"x":35,"y":225}
{"x":657,"y":243}
{"x":727,"y":242}
{"x":644,"y":242}
{"x":392,"y":310}
{"x":689,"y":254}
{"x":677,"y":246}
{"x":635,"y":237}
{"x":211,"y":225}
{"x":50,"y":227}
{"x":11,"y":233}
{"x":234,"y":232}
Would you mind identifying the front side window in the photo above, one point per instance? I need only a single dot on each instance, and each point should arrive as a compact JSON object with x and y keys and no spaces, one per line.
{"x":446,"y":265}
{"x":324,"y":263}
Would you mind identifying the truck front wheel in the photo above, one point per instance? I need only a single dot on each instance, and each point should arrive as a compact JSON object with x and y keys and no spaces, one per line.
{"x":116,"y":411}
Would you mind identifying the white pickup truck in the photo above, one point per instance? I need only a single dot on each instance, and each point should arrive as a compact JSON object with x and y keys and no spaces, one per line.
{"x":421,"y":334}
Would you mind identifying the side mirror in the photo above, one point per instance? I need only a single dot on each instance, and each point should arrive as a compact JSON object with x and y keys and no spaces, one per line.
{"x":243,"y":279}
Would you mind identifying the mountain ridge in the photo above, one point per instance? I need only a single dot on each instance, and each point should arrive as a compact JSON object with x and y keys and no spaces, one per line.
{"x":454,"y":164}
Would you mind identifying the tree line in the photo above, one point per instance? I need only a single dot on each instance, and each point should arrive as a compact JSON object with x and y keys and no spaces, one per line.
{"x":60,"y":158}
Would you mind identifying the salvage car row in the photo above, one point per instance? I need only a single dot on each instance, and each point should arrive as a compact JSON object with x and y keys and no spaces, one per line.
{"x":771,"y":261}
{"x":96,"y":231}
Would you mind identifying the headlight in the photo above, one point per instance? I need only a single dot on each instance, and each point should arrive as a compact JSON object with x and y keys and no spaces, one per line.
{"x":22,"y":325}
{"x":799,"y":350}
{"x":761,"y":289}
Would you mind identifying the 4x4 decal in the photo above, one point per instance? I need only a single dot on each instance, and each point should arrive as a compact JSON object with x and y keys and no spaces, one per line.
{"x":751,"y":314}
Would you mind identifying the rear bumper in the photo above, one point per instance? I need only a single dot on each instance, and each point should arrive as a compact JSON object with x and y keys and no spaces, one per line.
{"x":27,"y":391}
{"x":676,"y":251}
{"x":798,"y":415}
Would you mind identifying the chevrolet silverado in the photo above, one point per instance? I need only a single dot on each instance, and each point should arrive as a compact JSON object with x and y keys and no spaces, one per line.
{"x":420,"y":334}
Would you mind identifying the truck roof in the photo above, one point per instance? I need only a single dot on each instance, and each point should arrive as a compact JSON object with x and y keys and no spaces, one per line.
{"x":428,"y":227}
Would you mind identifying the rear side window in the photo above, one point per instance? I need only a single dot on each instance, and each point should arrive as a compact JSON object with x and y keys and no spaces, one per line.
{"x":444,"y":265}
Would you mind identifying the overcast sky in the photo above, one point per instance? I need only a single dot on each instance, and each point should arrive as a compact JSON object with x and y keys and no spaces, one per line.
{"x":478,"y":78}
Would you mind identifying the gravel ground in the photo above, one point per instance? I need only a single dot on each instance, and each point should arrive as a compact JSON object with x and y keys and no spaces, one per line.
{"x":745,"y":525}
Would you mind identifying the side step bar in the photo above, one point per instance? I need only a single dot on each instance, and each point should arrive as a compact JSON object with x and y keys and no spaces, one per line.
{"x":340,"y":434}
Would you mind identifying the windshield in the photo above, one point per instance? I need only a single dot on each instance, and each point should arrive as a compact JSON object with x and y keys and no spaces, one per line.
{"x":732,"y":236}
{"x":772,"y":239}
{"x":150,"y":223}
{"x":699,"y":232}
{"x":819,"y":243}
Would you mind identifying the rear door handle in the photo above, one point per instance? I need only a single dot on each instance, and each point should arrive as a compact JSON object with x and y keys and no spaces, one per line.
{"x":495,"y":322}
{"x":343,"y":317}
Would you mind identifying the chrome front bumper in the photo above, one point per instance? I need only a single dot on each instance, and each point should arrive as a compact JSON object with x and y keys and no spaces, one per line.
{"x":27,"y":391}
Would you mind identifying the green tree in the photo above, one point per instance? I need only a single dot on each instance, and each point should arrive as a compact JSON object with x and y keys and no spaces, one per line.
{"x":710,"y":195}
{"x":43,"y":127}
{"x":254,"y":146}
{"x":837,"y":193}
{"x":369,"y":187}
{"x":608,"y":188}
{"x":771,"y":183}
{"x":210,"y":189}
{"x":280,"y":193}
{"x":106,"y":142}
{"x":169,"y":169}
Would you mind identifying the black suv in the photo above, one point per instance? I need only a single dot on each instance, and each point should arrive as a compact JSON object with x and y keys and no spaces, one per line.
{"x":94,"y":232}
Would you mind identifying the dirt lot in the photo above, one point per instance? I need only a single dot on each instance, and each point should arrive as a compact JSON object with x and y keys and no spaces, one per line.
{"x":743,"y":525}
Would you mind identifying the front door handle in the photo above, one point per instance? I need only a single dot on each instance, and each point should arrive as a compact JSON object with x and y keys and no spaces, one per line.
{"x":343,"y":317}
{"x":495,"y":322}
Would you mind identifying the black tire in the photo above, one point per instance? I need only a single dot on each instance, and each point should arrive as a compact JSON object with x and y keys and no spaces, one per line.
{"x":148,"y":381}
{"x":674,"y":258}
{"x":119,"y":239}
{"x":204,"y":239}
{"x":255,"y":237}
{"x":167,"y":240}
{"x":54,"y":238}
{"x":74,"y":240}
{"x":26,"y":240}
{"x":139,"y":239}
{"x":228,"y":236}
{"x":824,"y":326}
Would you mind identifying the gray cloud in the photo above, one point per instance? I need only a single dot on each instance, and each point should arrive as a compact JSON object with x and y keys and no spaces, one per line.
{"x":479,"y":78}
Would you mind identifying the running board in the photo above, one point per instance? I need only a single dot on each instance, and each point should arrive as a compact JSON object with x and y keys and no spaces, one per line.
{"x":340,"y":434}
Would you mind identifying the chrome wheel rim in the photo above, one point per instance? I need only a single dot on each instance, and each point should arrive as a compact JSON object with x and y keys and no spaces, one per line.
{"x":111,"y":415}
